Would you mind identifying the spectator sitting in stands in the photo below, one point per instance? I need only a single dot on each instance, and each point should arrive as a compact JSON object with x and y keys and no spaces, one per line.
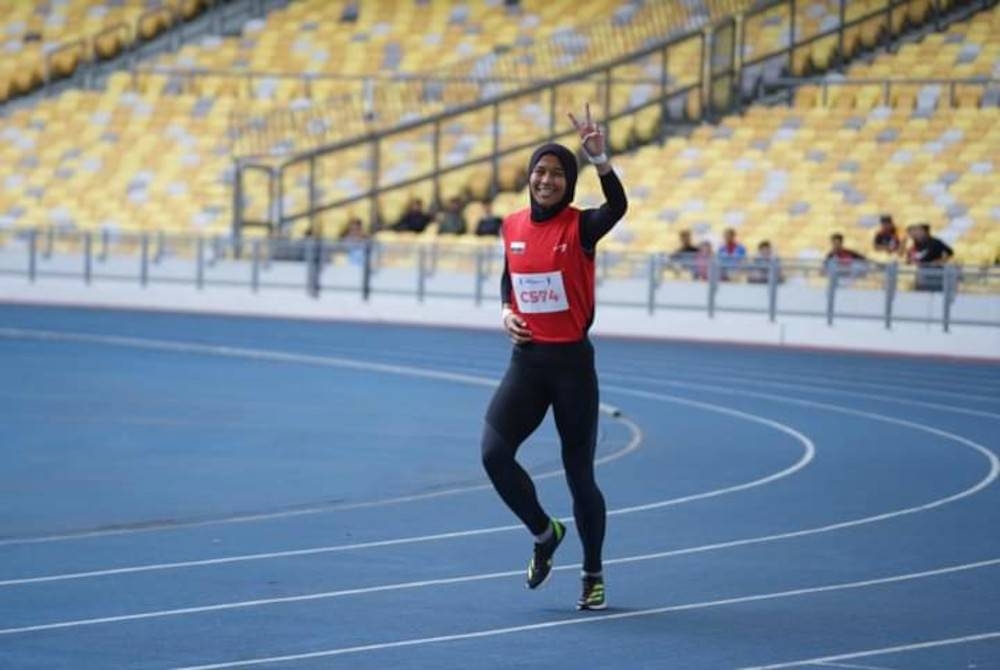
{"x":703,"y":261}
{"x":685,"y":254}
{"x":353,"y":231}
{"x":452,"y":219}
{"x":930,"y":254}
{"x":887,"y":238}
{"x":760,"y":267}
{"x":415,"y":220}
{"x":489,"y":223}
{"x":731,"y":253}
{"x":686,"y":248}
{"x":847,"y":262}
{"x":927,"y":249}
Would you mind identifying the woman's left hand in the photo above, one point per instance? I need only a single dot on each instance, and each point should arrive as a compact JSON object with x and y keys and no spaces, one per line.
{"x":591,"y":133}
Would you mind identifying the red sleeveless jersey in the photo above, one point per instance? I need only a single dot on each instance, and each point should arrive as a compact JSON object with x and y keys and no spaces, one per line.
{"x":552,"y":278}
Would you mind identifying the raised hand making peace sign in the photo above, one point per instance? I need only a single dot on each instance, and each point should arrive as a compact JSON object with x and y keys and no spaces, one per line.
{"x":592,"y":136}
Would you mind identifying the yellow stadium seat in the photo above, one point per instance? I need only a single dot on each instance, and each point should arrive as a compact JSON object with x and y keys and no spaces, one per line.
{"x":153,"y":23}
{"x":822,"y":54}
{"x":190,"y":8}
{"x":918,"y":11}
{"x":63,"y":63}
{"x":108,"y":44}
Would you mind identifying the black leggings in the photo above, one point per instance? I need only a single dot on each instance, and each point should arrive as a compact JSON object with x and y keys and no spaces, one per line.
{"x":561,"y":376}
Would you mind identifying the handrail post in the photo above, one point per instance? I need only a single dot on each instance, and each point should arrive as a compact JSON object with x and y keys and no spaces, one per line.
{"x":238,"y":174}
{"x":772,"y":289}
{"x":664,"y":84}
{"x":421,"y":272}
{"x":105,"y":243}
{"x":713,"y":284}
{"x":832,"y":274}
{"x":199,"y":277}
{"x":312,"y":193}
{"x":32,"y":254}
{"x":50,"y":241}
{"x":653,"y":267}
{"x":891,"y":286}
{"x":950,"y":286}
{"x":373,"y":212}
{"x":480,"y":275}
{"x":279,"y":205}
{"x":366,"y":271}
{"x":88,"y":257}
{"x":436,"y":161}
{"x":255,"y":266}
{"x":144,"y":260}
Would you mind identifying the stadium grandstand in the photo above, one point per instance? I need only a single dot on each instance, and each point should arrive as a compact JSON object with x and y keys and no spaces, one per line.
{"x":783,"y":120}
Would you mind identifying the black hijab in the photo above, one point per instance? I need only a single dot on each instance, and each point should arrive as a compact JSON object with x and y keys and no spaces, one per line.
{"x":568,"y":162}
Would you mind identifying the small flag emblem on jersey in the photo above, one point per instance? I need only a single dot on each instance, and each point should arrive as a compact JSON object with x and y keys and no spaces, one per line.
{"x":517,"y":247}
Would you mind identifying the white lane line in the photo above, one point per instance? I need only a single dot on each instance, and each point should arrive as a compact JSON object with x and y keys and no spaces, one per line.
{"x":808,"y":454}
{"x":284,"y":357}
{"x":850,"y":666}
{"x":990,"y":456}
{"x":991,"y":476}
{"x":579,"y":621}
{"x":634,"y":442}
{"x":242,"y":352}
{"x":960,"y":373}
{"x":929,"y":644}
{"x":818,"y":389}
{"x":899,"y":389}
{"x":948,"y":379}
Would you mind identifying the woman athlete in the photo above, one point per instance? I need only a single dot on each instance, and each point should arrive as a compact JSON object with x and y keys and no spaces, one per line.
{"x":547,"y":295}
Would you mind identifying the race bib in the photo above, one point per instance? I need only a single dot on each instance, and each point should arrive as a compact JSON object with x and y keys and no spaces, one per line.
{"x":539,"y":292}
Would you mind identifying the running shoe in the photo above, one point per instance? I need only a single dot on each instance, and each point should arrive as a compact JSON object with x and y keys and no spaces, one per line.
{"x":541,"y":562}
{"x":592,"y":597}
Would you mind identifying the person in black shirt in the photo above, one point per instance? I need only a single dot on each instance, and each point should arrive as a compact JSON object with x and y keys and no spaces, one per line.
{"x":452,"y":219}
{"x":686,"y":247}
{"x":930,"y":254}
{"x":685,"y":254}
{"x":415,"y":220}
{"x":489,"y":223}
{"x":929,"y":250}
{"x":887,"y":237}
{"x":845,"y":262}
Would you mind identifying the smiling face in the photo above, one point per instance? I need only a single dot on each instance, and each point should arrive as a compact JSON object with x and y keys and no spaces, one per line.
{"x":548,"y":181}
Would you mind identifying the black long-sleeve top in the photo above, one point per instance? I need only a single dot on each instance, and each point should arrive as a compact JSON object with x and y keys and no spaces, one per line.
{"x":594,"y":224}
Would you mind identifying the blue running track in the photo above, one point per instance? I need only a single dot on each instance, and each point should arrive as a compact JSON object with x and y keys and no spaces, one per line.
{"x":202,"y":492}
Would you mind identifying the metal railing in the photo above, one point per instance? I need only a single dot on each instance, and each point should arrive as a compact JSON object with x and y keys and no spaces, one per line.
{"x":383,"y":99}
{"x":670,"y":100}
{"x":712,"y":90}
{"x":886,"y":292}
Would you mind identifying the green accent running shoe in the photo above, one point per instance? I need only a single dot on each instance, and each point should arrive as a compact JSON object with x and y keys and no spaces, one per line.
{"x":540,"y":565}
{"x":592,"y":597}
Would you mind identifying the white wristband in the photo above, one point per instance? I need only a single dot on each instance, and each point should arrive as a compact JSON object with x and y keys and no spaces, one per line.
{"x":599,"y":159}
